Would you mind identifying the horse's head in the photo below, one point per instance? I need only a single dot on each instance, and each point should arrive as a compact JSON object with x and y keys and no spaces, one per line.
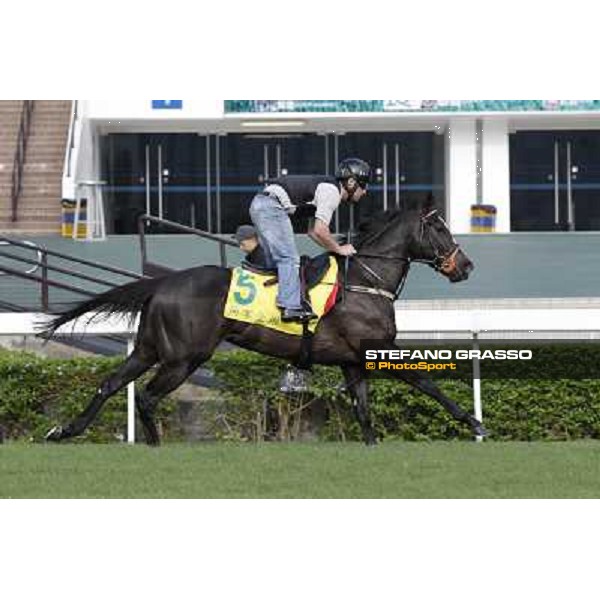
{"x":422,"y":236}
{"x":433,"y":242}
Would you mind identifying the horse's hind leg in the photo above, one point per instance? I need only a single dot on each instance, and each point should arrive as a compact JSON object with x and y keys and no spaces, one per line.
{"x":357,"y":386}
{"x":168,"y":377}
{"x":136,"y":364}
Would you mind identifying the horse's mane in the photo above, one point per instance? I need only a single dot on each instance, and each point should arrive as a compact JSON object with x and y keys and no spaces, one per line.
{"x":376,"y":222}
{"x":370,"y":226}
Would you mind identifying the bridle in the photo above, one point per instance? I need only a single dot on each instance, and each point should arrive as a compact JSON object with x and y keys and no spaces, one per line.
{"x":445,"y":263}
{"x":442,"y":262}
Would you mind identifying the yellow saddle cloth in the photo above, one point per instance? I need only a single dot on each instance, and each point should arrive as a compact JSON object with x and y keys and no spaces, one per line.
{"x":249,"y":300}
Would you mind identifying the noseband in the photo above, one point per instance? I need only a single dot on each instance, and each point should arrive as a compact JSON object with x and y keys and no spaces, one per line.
{"x":445,"y":263}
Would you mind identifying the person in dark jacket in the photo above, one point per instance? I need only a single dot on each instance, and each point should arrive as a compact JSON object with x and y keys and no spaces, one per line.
{"x":247,"y":239}
{"x":291,"y":196}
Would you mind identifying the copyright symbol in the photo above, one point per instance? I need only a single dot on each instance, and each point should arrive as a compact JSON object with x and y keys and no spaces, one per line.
{"x":370,"y":366}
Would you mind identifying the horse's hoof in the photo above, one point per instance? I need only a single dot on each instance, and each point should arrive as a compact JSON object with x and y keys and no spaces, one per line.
{"x":151,"y":436}
{"x":152,"y":440}
{"x":480,"y":431}
{"x":55,"y":434}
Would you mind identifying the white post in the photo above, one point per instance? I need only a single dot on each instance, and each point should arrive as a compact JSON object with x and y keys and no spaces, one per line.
{"x":461,"y":174}
{"x":477,"y":385}
{"x":496,"y":170}
{"x":74,"y":234}
{"x":101,"y":217}
{"x":95,"y":222}
{"x":90,"y":232}
{"x":130,"y":401}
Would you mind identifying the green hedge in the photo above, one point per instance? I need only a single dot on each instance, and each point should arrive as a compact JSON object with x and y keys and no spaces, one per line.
{"x":515,"y":409}
{"x":36,"y":393}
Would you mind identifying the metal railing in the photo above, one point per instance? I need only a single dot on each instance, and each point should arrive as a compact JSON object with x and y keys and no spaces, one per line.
{"x":154,"y":269}
{"x":200,"y":377}
{"x":17,"y":173}
{"x":74,"y":279}
{"x":34,"y":247}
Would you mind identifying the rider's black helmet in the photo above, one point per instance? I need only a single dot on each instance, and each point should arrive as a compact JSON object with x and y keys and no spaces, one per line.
{"x":354,"y":167}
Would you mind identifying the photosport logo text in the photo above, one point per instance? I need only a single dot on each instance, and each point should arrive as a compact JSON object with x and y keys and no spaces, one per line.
{"x":434,"y":360}
{"x":489,"y":359}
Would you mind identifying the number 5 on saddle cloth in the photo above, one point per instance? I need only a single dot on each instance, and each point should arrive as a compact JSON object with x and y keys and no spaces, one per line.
{"x":252,"y":294}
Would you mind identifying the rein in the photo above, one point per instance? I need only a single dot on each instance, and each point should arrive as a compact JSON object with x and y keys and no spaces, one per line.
{"x":441,"y":262}
{"x":393,"y":296}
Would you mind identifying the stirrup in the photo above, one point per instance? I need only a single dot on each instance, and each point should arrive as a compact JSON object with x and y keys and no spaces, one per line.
{"x":294,"y":380}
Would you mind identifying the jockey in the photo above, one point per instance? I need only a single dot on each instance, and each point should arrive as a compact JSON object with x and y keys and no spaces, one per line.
{"x":317,"y":196}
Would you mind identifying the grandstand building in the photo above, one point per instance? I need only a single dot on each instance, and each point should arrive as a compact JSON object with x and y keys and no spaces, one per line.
{"x":199,"y":162}
{"x":89,"y":168}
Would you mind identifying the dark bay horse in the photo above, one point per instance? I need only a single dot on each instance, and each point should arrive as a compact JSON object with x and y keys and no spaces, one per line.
{"x":182,"y":322}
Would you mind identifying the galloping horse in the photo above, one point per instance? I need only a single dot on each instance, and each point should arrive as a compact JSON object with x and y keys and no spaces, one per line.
{"x":182,"y":322}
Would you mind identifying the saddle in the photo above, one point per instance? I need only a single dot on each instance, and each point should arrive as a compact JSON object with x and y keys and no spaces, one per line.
{"x":312,"y":270}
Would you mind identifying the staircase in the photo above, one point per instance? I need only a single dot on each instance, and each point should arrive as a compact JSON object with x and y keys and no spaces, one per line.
{"x":39,"y":209}
{"x":10,"y":113}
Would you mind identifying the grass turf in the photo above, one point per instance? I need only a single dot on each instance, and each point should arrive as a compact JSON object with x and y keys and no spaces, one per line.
{"x":320,"y":470}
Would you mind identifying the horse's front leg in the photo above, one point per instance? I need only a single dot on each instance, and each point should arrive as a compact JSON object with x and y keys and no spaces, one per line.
{"x":356,"y":384}
{"x":421,"y":382}
{"x":428,"y":387}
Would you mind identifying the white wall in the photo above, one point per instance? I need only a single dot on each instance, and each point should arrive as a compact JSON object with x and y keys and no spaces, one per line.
{"x":496,"y":170}
{"x":461,"y":174}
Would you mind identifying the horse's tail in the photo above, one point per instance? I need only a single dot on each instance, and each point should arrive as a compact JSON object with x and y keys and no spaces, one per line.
{"x":129,"y":298}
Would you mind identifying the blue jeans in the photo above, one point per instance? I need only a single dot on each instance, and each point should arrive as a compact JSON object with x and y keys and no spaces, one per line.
{"x":276,"y":237}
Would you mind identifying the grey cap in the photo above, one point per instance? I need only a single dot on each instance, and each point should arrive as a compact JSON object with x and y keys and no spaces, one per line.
{"x":244,"y":232}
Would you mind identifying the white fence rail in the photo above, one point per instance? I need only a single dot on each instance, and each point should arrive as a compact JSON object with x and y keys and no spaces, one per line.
{"x":496,"y":319}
